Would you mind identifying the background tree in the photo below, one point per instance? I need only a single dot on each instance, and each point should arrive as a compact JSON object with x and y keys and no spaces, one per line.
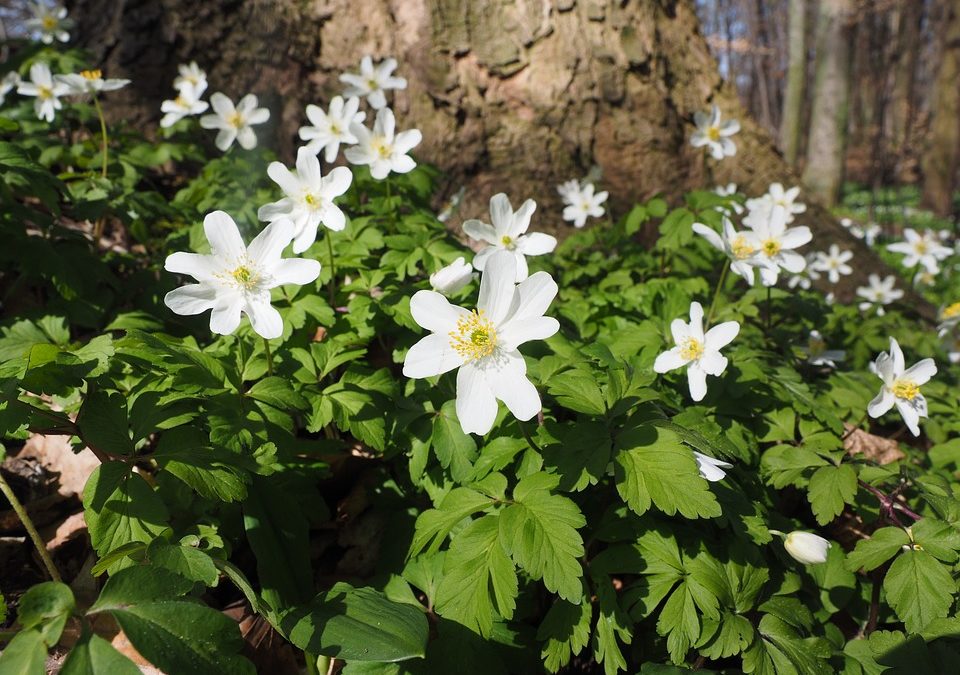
{"x":942,"y":156}
{"x":796,"y":80}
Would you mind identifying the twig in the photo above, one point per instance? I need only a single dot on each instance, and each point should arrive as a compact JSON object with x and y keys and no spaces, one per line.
{"x":31,"y":529}
{"x":888,"y":503}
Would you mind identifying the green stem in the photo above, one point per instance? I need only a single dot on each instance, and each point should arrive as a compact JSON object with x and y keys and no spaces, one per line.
{"x":31,"y":529}
{"x":313,"y":665}
{"x":526,"y":435}
{"x":103,"y":134}
{"x":769,"y":312}
{"x":716,"y":293}
{"x":266,"y":348}
{"x":333,"y":270}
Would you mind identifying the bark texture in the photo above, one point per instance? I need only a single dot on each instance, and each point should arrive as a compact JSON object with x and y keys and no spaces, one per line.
{"x":511,"y":95}
{"x":823,"y":174}
{"x":796,"y":79}
{"x":942,"y":156}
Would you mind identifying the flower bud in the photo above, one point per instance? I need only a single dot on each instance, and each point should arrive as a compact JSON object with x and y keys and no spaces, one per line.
{"x":806,"y":547}
{"x":453,"y":277}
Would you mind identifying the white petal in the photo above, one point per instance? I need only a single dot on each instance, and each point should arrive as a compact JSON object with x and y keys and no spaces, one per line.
{"x":224,"y":237}
{"x":480,"y":231}
{"x":536,"y":294}
{"x":515,"y":332}
{"x":521,"y":221}
{"x":536,"y":243}
{"x":897,"y":354}
{"x":476,"y":404}
{"x":501,"y":214}
{"x":697,"y":380}
{"x":434,"y":312}
{"x":283,"y":177}
{"x":431,"y":356}
{"x":509,"y":383}
{"x":247,"y":138}
{"x":480,"y":259}
{"x":299,"y":271}
{"x":264,"y":318}
{"x":721,"y":335}
{"x":200,"y":267}
{"x":880,"y":405}
{"x":696,"y":321}
{"x":910,"y":416}
{"x":669,"y":360}
{"x":225,"y":316}
{"x":267,"y":246}
{"x":498,"y":296}
{"x":921,"y":372}
{"x":191,"y":299}
{"x":713,"y":362}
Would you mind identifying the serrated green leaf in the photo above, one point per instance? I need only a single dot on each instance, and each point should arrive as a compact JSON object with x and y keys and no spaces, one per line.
{"x":434,"y":525}
{"x":93,"y":655}
{"x":919,"y":588}
{"x":830,"y":488}
{"x":579,"y":391}
{"x":565,"y":631}
{"x":279,"y":393}
{"x":455,"y":449}
{"x":878,"y":549}
{"x":25,"y":655}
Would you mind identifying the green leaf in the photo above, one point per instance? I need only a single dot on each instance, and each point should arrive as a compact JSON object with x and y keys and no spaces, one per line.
{"x":46,"y":607}
{"x":939,"y":539}
{"x":653,"y":466}
{"x":565,"y":631}
{"x":479,"y":578}
{"x":679,"y":622}
{"x":454,"y":448}
{"x":578,"y":390}
{"x":25,"y":655}
{"x":878,"y":549}
{"x":279,"y":393}
{"x":93,"y":655}
{"x":187,"y":561}
{"x":919,"y":588}
{"x":612,"y":624}
{"x":358,"y":624}
{"x":215,"y":473}
{"x":580,"y":455}
{"x":434,"y":525}
{"x":103,"y":422}
{"x":144,"y":583}
{"x":830,"y":488}
{"x":539,"y":531}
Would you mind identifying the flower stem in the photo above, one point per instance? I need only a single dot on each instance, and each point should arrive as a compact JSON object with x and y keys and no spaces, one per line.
{"x":266,"y":348}
{"x":854,"y":427}
{"x":716,"y":293}
{"x":526,"y":435}
{"x":311,"y":660}
{"x":769,"y":312}
{"x":31,"y":529}
{"x":103,"y":134}
{"x":333,"y":270}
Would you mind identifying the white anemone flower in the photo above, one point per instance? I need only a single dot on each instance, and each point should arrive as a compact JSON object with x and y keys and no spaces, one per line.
{"x":235,"y":122}
{"x":185,"y":104}
{"x":50,"y":22}
{"x":806,"y":547}
{"x":373,"y":81}
{"x":711,"y":469}
{"x":330,"y":129}
{"x":90,"y":82}
{"x":818,"y":354}
{"x":868,"y":233}
{"x":921,"y":249}
{"x":698,"y":351}
{"x":777,"y":196}
{"x":8,"y":83}
{"x":833,"y":263}
{"x":716,"y":136}
{"x":585,"y":204}
{"x":383,"y":149}
{"x":741,"y":248}
{"x":190,"y":75}
{"x":777,"y":242}
{"x":483,"y":343}
{"x":508,"y":233}
{"x":235,"y":278}
{"x":728,"y":190}
{"x":901,"y":387}
{"x":453,"y":277}
{"x":878,"y":293}
{"x":309,"y":198}
{"x":47,"y":90}
{"x":568,"y":190}
{"x":949,"y":318}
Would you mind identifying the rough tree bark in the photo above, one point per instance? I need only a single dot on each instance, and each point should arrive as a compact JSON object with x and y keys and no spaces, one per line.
{"x":942,"y":156}
{"x":796,"y":79}
{"x":826,"y":147}
{"x":511,"y":95}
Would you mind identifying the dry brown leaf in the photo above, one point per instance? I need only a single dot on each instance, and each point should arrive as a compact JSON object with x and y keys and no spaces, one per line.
{"x":122,"y":645}
{"x":56,"y":455}
{"x":876,"y":448}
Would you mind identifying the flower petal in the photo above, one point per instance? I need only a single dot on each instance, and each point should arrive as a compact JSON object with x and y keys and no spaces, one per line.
{"x":480,"y":231}
{"x":921,"y":372}
{"x":880,"y":405}
{"x":191,"y":299}
{"x":432,"y":355}
{"x":509,"y":383}
{"x":910,"y":416}
{"x":498,"y":296}
{"x":225,"y":316}
{"x":697,"y":381}
{"x":434,"y":312}
{"x":266,"y":247}
{"x":224,"y":237}
{"x":299,"y":271}
{"x":536,"y":293}
{"x":721,"y":335}
{"x":515,"y":332}
{"x":200,"y":267}
{"x":476,"y":404}
{"x":536,"y":243}
{"x":669,"y":360}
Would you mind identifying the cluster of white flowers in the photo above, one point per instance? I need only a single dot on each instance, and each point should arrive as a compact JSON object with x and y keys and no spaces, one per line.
{"x":47,"y":88}
{"x":190,"y":85}
{"x":581,"y":201}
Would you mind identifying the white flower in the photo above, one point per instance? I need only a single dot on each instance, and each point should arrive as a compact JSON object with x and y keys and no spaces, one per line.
{"x":715,"y":136}
{"x":925,"y":250}
{"x":235,"y":278}
{"x":951,"y":343}
{"x":453,"y":277}
{"x":508,"y":233}
{"x":584,"y":204}
{"x":372,"y":81}
{"x":711,"y":469}
{"x":309,"y":198}
{"x":901,"y":387}
{"x":191,"y":75}
{"x":805,"y":278}
{"x":483,"y":343}
{"x":50,"y":22}
{"x":235,"y":123}
{"x":949,"y":317}
{"x":8,"y":83}
{"x":806,"y":547}
{"x":741,"y":248}
{"x":868,"y":233}
{"x":833,"y":263}
{"x":381,"y":149}
{"x":186,"y":103}
{"x":90,"y":82}
{"x":777,"y":242}
{"x":878,"y":293}
{"x":777,"y":196}
{"x":47,"y":90}
{"x":568,"y":190}
{"x":846,"y":222}
{"x":699,"y":352}
{"x":818,"y":354}
{"x":331,"y":128}
{"x":452,"y":204}
{"x":729,"y":190}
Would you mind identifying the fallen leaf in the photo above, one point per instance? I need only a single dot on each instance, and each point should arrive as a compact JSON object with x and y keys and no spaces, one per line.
{"x":56,"y":455}
{"x":875,"y":448}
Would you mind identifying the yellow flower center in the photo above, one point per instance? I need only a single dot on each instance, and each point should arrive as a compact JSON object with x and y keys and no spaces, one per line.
{"x":180,"y":101}
{"x":475,"y":336}
{"x":921,"y":247}
{"x":373,"y":84}
{"x":235,"y":120}
{"x":507,"y":241}
{"x":771,"y":247}
{"x":310,"y":199}
{"x":741,"y":248}
{"x":817,"y":346}
{"x":245,"y":277}
{"x":691,"y":349}
{"x":91,"y":74}
{"x":381,"y":148}
{"x":43,"y":93}
{"x":951,"y":311}
{"x":905,"y":389}
{"x":335,"y":129}
{"x":713,"y":133}
{"x":49,"y":22}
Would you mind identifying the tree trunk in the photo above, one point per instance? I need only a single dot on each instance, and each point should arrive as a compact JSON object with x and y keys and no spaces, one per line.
{"x":910,"y":17}
{"x":796,"y":80}
{"x":940,"y":160}
{"x":826,"y":147}
{"x":511,"y":95}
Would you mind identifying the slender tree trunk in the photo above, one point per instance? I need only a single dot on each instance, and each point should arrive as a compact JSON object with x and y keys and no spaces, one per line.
{"x":942,"y":155}
{"x":826,"y":147}
{"x":796,"y":80}
{"x":905,"y":66}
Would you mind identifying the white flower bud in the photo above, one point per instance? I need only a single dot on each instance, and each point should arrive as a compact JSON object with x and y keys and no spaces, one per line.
{"x":453,"y":277}
{"x":806,"y":547}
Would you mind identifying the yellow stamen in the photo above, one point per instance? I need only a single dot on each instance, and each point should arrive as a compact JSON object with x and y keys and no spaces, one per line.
{"x":49,"y":22}
{"x":91,"y":74}
{"x":180,"y":101}
{"x":951,"y":311}
{"x":335,"y":129}
{"x":771,"y":247}
{"x":713,"y":133}
{"x":235,"y":120}
{"x":381,"y":148}
{"x":921,"y":247}
{"x":245,"y":277}
{"x":905,"y":389}
{"x":741,"y":248}
{"x":506,"y":241}
{"x":475,"y":336}
{"x":373,"y":84}
{"x":310,"y":199}
{"x":691,"y":349}
{"x":43,"y":93}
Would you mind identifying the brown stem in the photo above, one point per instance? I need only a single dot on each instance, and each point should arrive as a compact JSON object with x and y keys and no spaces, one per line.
{"x":874,"y":607}
{"x":888,"y":504}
